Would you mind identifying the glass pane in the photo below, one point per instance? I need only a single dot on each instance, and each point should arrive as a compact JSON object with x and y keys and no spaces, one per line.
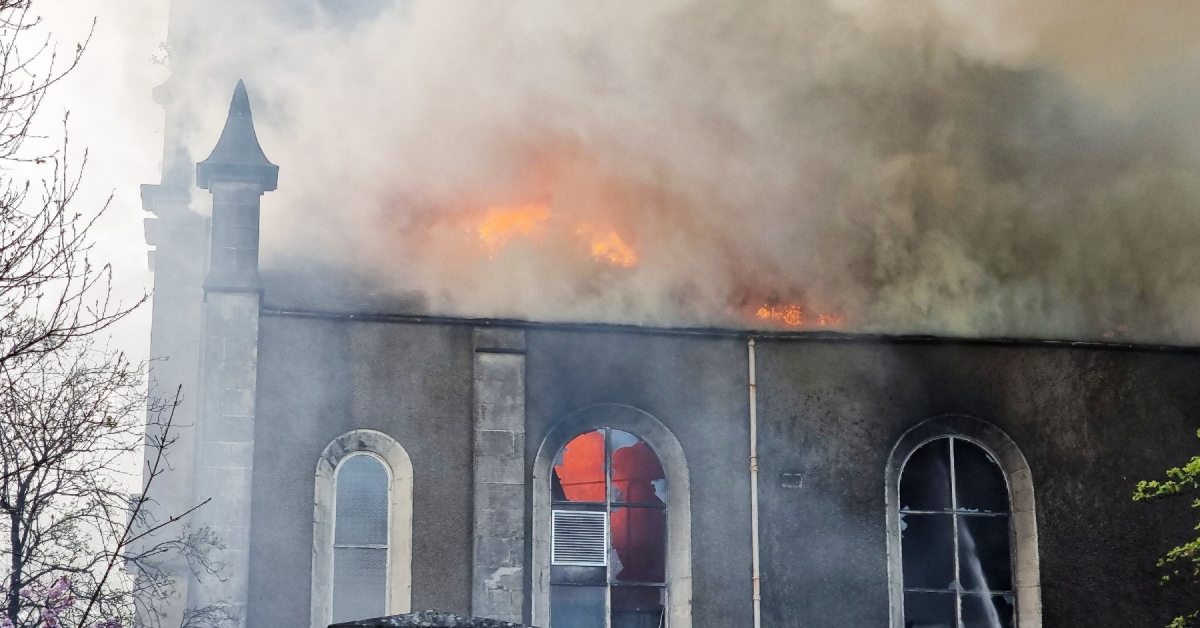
{"x":929,"y":610}
{"x":570,"y":574}
{"x":637,"y":607}
{"x":576,"y":607}
{"x":359,"y":583}
{"x":362,"y":502}
{"x":925,"y":480}
{"x":978,"y":613}
{"x":927,"y":545}
{"x":579,"y":469}
{"x":637,"y":475}
{"x":639,"y":541}
{"x":978,"y":481}
{"x":983,"y":553}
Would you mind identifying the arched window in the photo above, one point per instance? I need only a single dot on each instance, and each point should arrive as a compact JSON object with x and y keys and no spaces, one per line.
{"x":954,"y":537}
{"x":612,"y":524}
{"x":609,"y":533}
{"x":360,"y":539}
{"x":362,"y":535}
{"x":962,"y":537}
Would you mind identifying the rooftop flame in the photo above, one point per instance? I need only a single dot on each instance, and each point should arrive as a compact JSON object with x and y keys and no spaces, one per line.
{"x":501,"y":224}
{"x":792,"y":315}
{"x":608,"y":247}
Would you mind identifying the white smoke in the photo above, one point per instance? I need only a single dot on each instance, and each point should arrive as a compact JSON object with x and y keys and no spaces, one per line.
{"x":920,"y":166}
{"x":114,"y":121}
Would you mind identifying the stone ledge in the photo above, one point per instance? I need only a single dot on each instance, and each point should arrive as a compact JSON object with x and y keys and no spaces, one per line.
{"x":427,"y":618}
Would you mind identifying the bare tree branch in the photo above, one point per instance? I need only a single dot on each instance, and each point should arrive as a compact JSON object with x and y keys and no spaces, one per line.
{"x":76,"y":549}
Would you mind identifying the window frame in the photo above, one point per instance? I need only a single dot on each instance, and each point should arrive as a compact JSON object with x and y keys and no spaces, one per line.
{"x":670,"y":454}
{"x":398,"y":466}
{"x":386,"y":546}
{"x":1023,"y":543}
{"x":957,"y":515}
{"x":610,"y":508}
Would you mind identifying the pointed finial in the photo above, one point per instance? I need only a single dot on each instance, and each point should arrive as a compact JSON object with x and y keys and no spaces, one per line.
{"x":237,"y":155}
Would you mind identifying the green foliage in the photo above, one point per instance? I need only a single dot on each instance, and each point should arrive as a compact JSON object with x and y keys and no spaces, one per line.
{"x":1184,"y":621}
{"x":1182,"y":562}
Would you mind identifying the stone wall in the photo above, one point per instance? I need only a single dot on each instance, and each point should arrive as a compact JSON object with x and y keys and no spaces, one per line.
{"x":1091,"y":422}
{"x":320,"y":378}
{"x":498,"y":588}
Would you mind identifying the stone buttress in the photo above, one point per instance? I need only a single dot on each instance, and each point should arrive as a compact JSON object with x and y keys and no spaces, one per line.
{"x":498,"y":583}
{"x":236,"y":174}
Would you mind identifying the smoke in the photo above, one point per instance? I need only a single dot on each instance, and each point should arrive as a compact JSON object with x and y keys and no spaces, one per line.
{"x":1011,"y":168}
{"x":115,"y":125}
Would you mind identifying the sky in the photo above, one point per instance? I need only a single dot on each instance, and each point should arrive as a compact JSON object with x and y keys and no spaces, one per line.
{"x":113,"y":117}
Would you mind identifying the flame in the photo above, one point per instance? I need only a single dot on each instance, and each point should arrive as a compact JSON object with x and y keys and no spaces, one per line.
{"x":792,"y":315}
{"x":789,"y":314}
{"x":501,"y":224}
{"x":608,"y":247}
{"x":825,"y":320}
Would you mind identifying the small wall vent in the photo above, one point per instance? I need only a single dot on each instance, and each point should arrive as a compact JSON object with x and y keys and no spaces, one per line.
{"x":580,"y":538}
{"x":791,"y":480}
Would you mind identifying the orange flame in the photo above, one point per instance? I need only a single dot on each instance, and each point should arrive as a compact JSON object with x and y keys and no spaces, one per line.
{"x":792,"y":315}
{"x":608,"y":247}
{"x":501,"y":224}
{"x":825,"y":320}
{"x":611,"y":249}
{"x":789,"y":314}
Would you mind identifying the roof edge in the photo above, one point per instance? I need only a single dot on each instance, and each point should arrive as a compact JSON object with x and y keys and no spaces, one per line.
{"x":725,"y":332}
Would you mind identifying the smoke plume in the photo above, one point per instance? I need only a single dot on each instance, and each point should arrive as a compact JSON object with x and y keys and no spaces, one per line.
{"x":1014,"y":168}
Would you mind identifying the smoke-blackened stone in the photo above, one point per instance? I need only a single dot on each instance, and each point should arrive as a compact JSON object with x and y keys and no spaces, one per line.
{"x":428,"y":618}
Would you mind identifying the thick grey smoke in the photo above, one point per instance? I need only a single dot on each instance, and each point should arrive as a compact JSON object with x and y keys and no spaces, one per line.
{"x":1012,"y":168}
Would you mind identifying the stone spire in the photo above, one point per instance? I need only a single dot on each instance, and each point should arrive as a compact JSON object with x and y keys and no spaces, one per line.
{"x":236,"y":174}
{"x":237,"y":155}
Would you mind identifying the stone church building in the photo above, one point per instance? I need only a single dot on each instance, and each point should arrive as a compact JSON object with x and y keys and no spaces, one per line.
{"x":366,"y":458}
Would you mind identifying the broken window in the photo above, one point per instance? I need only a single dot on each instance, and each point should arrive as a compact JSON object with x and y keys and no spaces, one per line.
{"x":955,"y":538}
{"x":608,"y":491}
{"x":360,"y":539}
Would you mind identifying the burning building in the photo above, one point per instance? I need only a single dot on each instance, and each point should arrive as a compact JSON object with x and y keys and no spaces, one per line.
{"x":369,"y":452}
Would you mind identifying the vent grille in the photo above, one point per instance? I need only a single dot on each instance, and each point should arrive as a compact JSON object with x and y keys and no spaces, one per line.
{"x":580,"y":538}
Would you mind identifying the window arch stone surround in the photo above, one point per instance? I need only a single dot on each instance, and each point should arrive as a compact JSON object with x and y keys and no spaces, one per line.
{"x":1023,"y":531}
{"x":400,"y":511}
{"x":679,"y":517}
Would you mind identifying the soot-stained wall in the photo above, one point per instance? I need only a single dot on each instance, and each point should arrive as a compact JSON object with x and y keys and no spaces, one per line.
{"x":321,"y":378}
{"x":1090,"y":423}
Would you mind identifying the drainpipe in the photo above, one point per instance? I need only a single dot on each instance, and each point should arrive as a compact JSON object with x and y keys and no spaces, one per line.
{"x":755,"y":580}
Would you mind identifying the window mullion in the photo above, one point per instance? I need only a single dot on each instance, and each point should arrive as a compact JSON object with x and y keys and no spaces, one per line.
{"x":608,"y":576}
{"x":954,"y":517}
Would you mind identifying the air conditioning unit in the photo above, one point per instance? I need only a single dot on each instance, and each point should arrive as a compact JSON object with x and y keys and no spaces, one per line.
{"x":580,"y":538}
